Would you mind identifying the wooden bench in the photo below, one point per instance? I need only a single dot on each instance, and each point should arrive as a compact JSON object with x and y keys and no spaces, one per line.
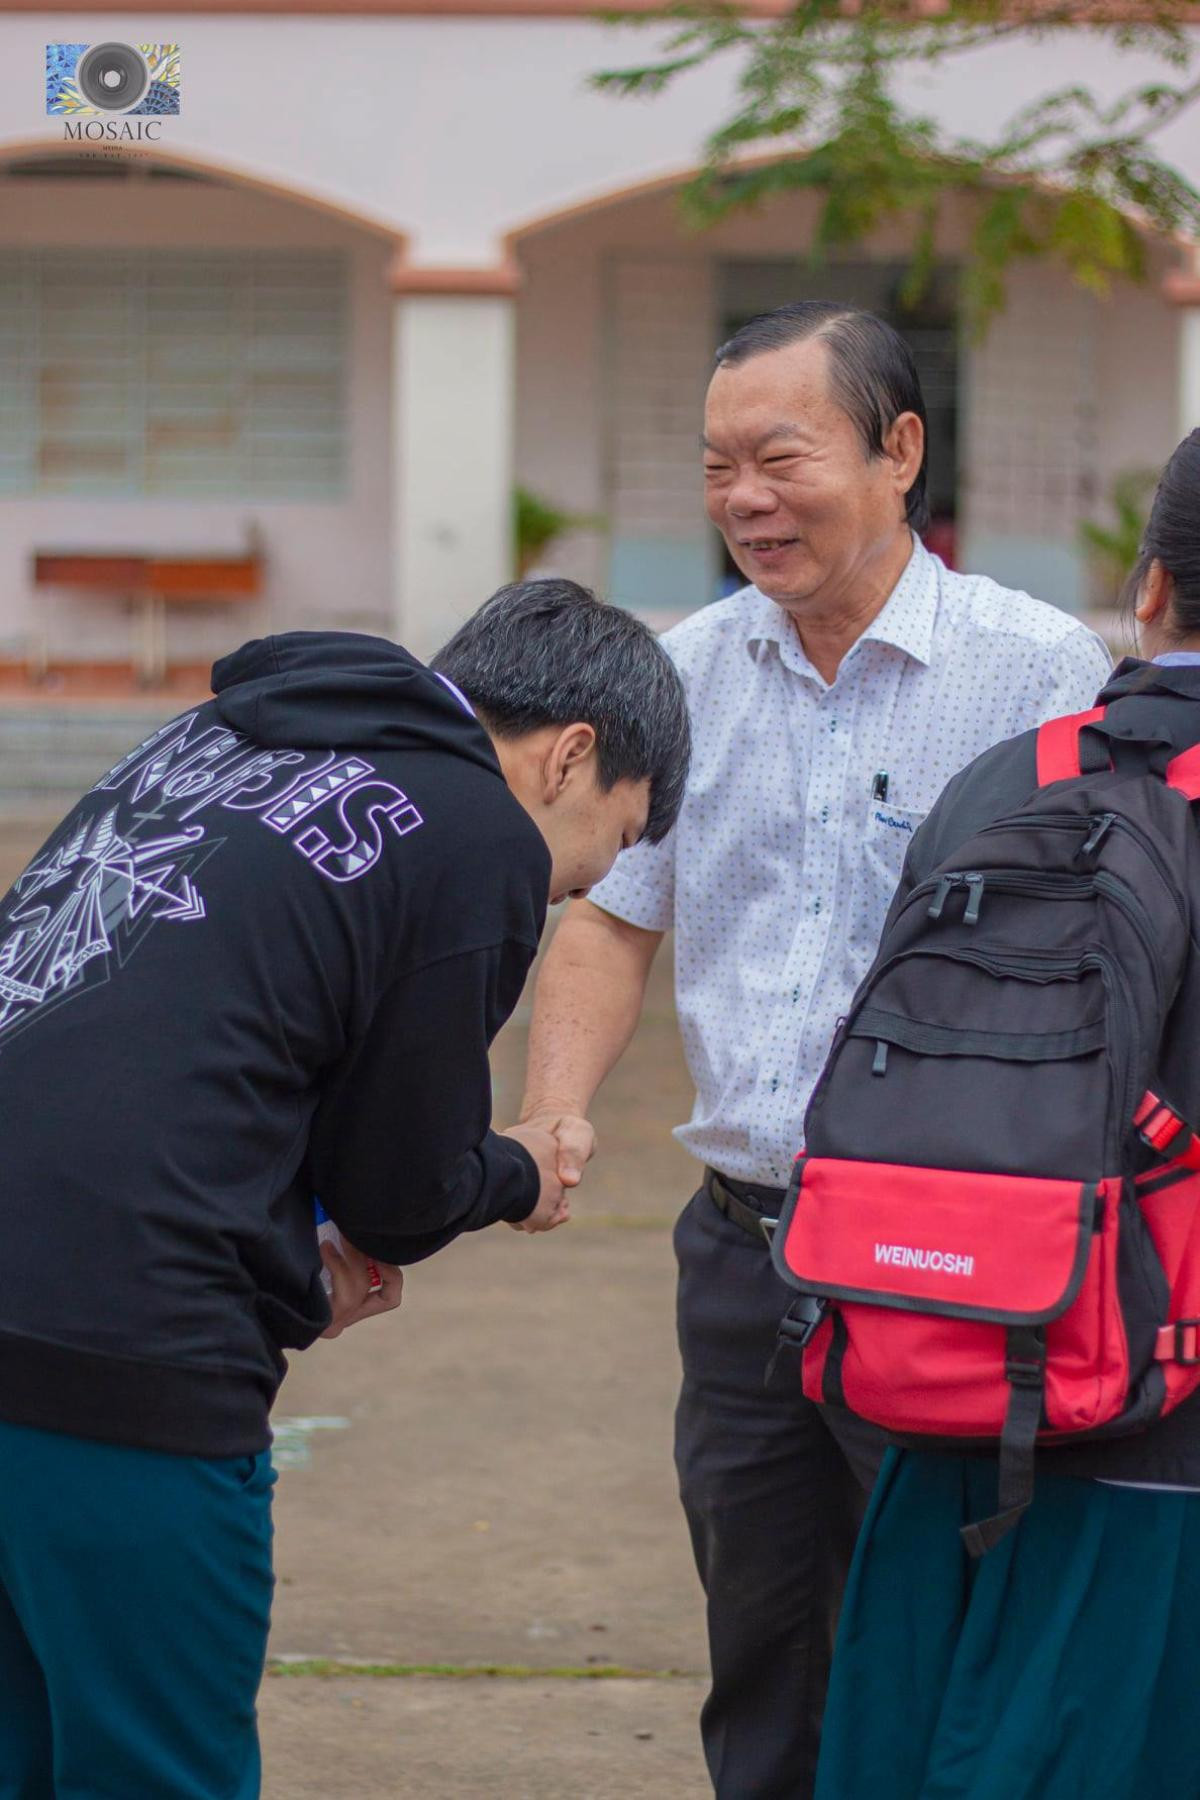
{"x":151,"y":583}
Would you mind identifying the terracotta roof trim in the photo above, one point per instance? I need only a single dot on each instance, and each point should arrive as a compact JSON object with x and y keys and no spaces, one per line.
{"x":496,"y":280}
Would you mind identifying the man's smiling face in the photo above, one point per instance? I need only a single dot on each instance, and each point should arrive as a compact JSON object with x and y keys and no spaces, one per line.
{"x":788,"y":483}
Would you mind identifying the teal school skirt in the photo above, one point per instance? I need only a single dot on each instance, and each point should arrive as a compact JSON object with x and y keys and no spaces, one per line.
{"x":1063,"y":1665}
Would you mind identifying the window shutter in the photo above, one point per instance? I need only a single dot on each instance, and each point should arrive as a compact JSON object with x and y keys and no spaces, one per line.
{"x":179,"y":374}
{"x":18,"y":386}
{"x":87,"y":371}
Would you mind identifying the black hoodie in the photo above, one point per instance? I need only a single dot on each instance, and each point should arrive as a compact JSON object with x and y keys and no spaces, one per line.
{"x":260,"y":962}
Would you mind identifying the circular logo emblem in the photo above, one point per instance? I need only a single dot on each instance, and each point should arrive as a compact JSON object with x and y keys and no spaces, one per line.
{"x":113,"y":77}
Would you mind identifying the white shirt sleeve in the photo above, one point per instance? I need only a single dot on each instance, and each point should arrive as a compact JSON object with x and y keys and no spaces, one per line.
{"x":1073,"y":677}
{"x":641,"y":886}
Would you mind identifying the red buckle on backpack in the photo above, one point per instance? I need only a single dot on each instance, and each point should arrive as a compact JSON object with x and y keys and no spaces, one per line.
{"x":1179,"y":1342}
{"x":1158,"y":1125}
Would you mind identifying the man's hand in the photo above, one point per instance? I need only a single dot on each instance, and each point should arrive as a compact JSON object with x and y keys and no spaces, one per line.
{"x":576,"y":1140}
{"x":553,"y":1208}
{"x":354,"y":1295}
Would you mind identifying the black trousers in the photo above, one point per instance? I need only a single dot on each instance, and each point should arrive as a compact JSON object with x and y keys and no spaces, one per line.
{"x":773,"y":1501}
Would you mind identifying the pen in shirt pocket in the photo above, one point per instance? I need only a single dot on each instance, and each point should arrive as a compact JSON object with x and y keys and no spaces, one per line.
{"x":880,"y":785}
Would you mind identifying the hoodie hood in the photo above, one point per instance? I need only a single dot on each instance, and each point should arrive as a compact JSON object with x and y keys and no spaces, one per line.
{"x":1134,"y":676}
{"x":334,"y":690}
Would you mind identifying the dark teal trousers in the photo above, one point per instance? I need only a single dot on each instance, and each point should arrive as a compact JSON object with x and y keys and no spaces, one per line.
{"x":1064,"y":1665}
{"x":135,"y":1594}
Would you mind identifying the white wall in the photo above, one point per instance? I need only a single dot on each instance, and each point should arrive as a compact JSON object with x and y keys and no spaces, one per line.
{"x":559,"y":388}
{"x":1138,"y":363}
{"x":328,"y":563}
{"x":458,"y":130}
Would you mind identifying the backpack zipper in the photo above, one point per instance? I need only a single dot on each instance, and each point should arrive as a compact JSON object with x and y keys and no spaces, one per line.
{"x":1114,"y":981}
{"x":1031,"y":963}
{"x":1124,"y":897}
{"x":1046,"y":887}
{"x":1159,"y":861}
{"x":1073,"y":822}
{"x":1100,"y":830}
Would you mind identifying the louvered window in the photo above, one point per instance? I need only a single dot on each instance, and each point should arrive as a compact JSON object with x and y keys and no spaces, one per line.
{"x":182,"y":374}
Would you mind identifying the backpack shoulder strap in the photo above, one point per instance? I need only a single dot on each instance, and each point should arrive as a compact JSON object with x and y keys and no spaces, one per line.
{"x":1058,"y":754}
{"x":1183,"y":773}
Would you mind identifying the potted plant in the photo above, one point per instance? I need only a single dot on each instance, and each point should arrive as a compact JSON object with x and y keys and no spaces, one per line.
{"x":538,"y":522}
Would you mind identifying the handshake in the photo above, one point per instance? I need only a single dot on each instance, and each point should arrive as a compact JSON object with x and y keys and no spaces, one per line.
{"x":561,"y":1144}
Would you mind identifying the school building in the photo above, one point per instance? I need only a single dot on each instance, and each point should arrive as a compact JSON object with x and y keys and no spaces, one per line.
{"x":280,"y":359}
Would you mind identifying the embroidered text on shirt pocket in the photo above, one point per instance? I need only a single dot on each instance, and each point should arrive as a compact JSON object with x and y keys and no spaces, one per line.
{"x":897,"y":822}
{"x":889,"y":830}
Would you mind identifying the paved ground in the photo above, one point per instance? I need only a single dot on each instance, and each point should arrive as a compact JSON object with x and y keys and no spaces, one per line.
{"x":526,"y":1740}
{"x":484,"y":1480}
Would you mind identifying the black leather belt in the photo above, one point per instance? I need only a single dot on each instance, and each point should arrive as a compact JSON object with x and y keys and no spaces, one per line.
{"x":746,"y":1203}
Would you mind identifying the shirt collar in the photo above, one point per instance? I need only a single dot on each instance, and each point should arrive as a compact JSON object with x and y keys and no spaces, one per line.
{"x":906,"y":621}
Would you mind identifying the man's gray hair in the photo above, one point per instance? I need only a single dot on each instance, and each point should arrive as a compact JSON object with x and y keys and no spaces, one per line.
{"x":550,"y":653}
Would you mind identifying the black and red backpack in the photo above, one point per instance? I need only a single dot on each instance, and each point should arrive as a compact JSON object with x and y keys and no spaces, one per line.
{"x":995,"y":1221}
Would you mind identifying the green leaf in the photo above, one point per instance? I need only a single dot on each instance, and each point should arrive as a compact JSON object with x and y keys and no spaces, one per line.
{"x":818,"y":96}
{"x":649,"y":80}
{"x":537,"y":522}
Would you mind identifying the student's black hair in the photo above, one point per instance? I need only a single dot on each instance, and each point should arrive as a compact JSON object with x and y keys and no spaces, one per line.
{"x":1172,"y":537}
{"x":550,"y":653}
{"x":871,"y":371}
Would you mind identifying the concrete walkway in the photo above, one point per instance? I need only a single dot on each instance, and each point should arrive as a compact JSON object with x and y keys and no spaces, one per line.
{"x":439,"y":1740}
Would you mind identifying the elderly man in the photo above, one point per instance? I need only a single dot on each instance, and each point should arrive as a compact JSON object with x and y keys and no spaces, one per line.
{"x":830,"y":699}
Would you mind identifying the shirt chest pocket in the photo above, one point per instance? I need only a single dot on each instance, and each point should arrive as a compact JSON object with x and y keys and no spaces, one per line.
{"x":887,"y":833}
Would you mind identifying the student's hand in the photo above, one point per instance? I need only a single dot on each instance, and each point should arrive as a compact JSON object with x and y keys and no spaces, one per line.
{"x":553,"y":1208}
{"x":354,"y":1297}
{"x":576,"y":1141}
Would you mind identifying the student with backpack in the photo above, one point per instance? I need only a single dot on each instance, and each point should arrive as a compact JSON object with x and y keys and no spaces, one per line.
{"x":994,"y":1231}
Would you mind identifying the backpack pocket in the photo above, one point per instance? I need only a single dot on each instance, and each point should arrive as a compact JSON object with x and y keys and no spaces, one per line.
{"x":926,"y":1274}
{"x":1007,"y":1061}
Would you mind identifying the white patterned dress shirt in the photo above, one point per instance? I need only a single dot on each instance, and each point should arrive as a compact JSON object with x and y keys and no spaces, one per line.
{"x":779,"y":872}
